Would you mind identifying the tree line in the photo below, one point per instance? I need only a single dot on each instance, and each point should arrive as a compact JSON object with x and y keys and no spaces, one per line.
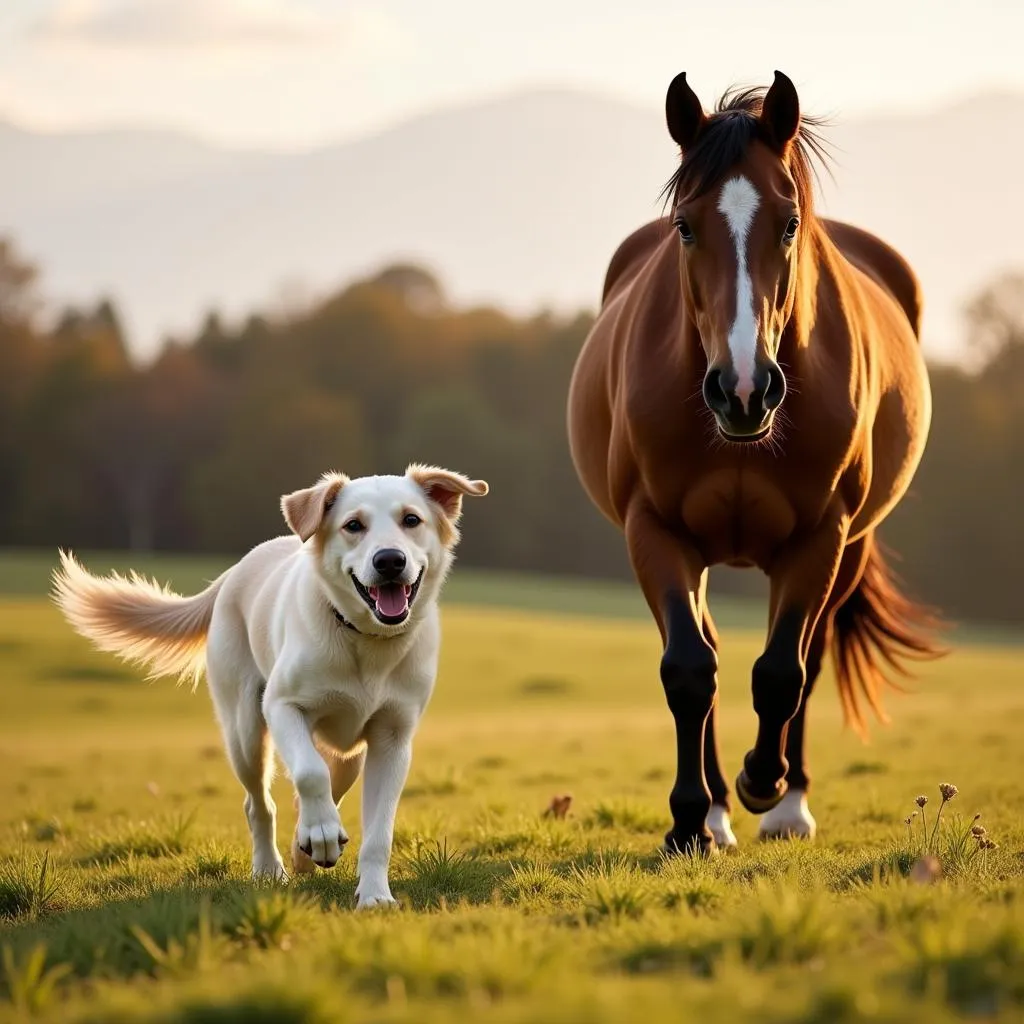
{"x":191,"y":451}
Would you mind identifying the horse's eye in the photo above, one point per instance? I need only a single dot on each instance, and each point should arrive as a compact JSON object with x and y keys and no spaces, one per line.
{"x":794,"y":223}
{"x":684,"y":230}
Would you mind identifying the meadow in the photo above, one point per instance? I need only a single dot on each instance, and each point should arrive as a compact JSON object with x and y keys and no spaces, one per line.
{"x":124,"y":888}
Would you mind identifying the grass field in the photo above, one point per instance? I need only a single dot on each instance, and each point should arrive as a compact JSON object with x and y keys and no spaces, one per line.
{"x":124,"y":853}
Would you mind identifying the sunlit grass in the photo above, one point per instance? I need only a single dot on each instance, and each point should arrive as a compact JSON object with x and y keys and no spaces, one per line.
{"x":124,"y":875}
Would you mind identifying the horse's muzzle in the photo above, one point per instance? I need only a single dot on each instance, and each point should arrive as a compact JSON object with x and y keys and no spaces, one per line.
{"x":744,"y":417}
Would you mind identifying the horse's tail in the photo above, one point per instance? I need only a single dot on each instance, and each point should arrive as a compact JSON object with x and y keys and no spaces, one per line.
{"x":874,"y":631}
{"x":137,"y":619}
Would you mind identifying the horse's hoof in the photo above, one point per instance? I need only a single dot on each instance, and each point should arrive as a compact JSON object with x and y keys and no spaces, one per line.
{"x":720,"y":827}
{"x":792,"y":819}
{"x":758,"y":803}
{"x":699,"y":845}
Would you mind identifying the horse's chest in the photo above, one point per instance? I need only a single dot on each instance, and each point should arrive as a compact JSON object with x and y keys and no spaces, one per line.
{"x":737,"y":517}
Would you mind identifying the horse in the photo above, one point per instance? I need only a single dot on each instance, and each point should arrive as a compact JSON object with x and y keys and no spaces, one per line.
{"x":753,"y":393}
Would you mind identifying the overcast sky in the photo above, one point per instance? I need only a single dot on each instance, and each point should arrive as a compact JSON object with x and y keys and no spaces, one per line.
{"x":295,"y":73}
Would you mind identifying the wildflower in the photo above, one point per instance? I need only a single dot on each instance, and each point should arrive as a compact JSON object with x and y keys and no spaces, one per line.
{"x":947,"y":791}
{"x":978,"y":831}
{"x":909,"y":820}
{"x":977,"y":816}
{"x":921,"y":801}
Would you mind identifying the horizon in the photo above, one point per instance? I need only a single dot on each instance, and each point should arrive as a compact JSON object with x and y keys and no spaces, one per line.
{"x":526,"y":91}
{"x":292,"y":75}
{"x":183,"y":94}
{"x":58,"y":200}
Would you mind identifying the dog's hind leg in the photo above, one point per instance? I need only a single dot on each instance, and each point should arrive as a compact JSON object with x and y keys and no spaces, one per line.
{"x":345,"y":769}
{"x":252,"y":755}
{"x":236,"y":698}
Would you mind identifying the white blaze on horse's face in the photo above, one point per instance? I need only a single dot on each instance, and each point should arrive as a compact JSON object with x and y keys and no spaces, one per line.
{"x":738,"y":203}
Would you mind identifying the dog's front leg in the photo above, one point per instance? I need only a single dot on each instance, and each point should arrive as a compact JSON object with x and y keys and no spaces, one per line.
{"x":319,"y":832}
{"x":388,"y":756}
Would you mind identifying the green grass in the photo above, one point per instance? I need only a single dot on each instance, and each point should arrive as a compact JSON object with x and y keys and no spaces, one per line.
{"x":124,"y":889}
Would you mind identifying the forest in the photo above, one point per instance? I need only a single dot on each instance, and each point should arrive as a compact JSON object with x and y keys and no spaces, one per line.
{"x":191,"y":450}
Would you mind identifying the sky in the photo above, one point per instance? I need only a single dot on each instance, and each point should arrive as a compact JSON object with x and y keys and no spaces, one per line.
{"x":295,"y":74}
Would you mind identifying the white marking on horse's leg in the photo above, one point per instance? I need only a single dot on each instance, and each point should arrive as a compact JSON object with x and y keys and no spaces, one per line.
{"x":720,"y":827}
{"x":738,"y":203}
{"x":791,"y":817}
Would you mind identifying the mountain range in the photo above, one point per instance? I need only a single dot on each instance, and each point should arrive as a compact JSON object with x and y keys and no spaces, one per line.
{"x":517,"y":202}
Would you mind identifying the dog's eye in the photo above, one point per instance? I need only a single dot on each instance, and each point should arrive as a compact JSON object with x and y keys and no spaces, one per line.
{"x":353,"y":526}
{"x":410,"y":521}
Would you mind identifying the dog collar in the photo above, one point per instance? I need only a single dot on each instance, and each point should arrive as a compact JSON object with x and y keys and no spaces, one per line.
{"x":341,"y":618}
{"x":348,"y":625}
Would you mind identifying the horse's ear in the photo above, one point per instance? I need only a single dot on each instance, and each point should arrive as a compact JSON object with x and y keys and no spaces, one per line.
{"x":683,"y":112}
{"x":780,"y":113}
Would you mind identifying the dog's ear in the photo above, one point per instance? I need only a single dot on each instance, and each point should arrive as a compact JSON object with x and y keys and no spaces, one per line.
{"x":445,"y":489}
{"x":304,"y":510}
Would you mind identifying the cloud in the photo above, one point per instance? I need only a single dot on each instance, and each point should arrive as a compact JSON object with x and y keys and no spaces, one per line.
{"x":201,"y":24}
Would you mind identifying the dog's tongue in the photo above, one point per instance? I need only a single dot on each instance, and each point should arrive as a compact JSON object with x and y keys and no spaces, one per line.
{"x":392,"y":599}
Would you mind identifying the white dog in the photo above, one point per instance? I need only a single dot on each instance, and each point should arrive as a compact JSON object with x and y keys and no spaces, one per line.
{"x":323,"y":645}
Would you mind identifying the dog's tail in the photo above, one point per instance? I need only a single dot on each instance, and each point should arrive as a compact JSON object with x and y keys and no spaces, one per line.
{"x":137,"y":619}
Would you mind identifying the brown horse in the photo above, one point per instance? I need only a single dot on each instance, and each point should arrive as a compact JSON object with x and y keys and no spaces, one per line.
{"x":753,"y":393}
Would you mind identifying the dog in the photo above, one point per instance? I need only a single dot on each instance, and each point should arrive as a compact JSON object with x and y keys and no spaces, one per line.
{"x":322,"y":645}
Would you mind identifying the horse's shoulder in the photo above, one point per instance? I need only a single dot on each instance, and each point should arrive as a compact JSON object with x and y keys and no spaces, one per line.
{"x":631,"y":255}
{"x":882,"y":263}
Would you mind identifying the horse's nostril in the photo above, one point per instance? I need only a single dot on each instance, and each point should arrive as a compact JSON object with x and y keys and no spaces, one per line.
{"x":714,"y":394}
{"x":775,"y":391}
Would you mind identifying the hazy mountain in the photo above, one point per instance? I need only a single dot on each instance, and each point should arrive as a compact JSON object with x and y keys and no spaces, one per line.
{"x":520,"y":202}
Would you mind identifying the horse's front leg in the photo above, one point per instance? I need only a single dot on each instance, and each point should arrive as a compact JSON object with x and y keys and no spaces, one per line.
{"x":802,"y":577}
{"x":793,"y":817}
{"x":672,"y":575}
{"x":719,"y":821}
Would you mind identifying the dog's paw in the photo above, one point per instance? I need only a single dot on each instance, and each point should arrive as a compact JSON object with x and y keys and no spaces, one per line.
{"x":302,"y":863}
{"x":269,"y":868}
{"x":369,"y":895}
{"x":320,"y":836}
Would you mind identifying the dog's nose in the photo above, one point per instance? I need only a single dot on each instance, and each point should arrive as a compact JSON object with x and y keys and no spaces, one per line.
{"x":390,"y":563}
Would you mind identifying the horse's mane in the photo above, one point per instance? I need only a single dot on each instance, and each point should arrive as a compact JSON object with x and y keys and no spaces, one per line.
{"x":725,"y":138}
